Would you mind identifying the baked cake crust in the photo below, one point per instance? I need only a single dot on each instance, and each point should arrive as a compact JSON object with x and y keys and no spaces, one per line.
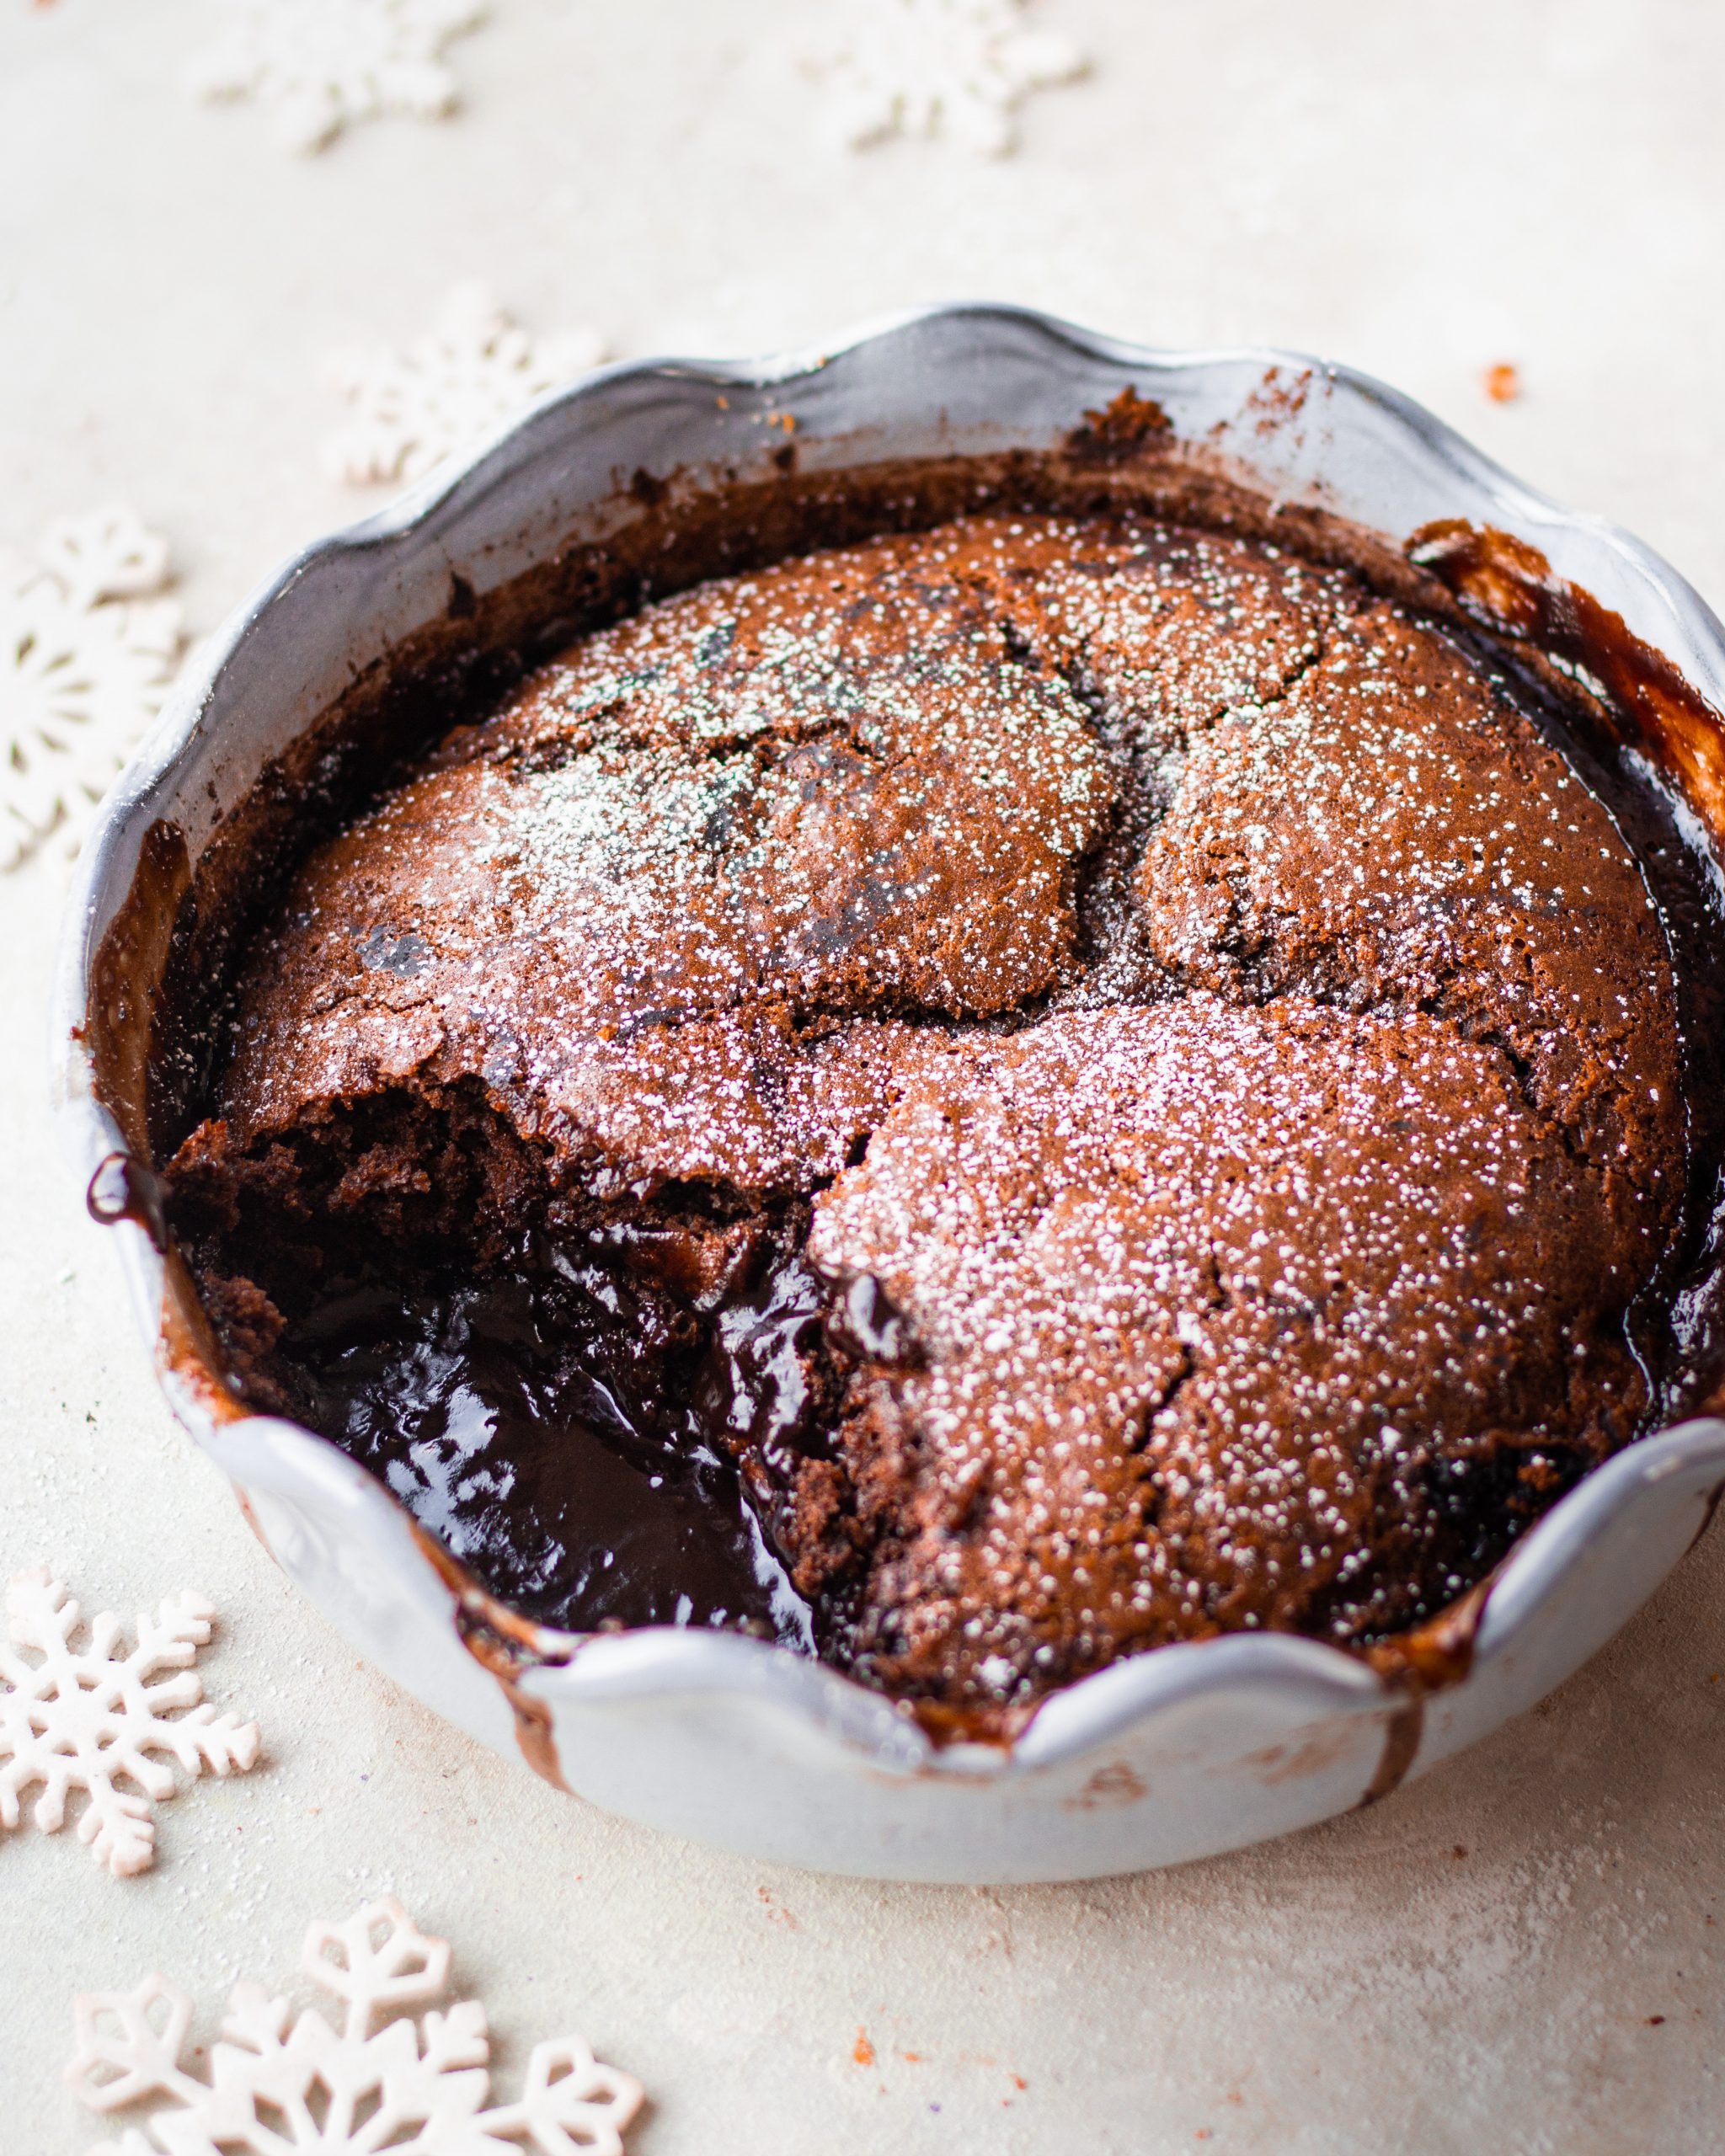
{"x":1125,"y":1085}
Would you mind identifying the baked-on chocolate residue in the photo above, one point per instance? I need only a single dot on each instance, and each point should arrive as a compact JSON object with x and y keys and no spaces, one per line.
{"x":1403,"y":1731}
{"x":1119,"y":431}
{"x":507,"y":1648}
{"x":122,"y":1188}
{"x":1509,"y":588}
{"x":126,"y":976}
{"x":1279,"y":399}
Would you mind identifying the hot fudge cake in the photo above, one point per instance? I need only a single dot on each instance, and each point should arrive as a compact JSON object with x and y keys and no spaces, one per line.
{"x":975,"y":1102}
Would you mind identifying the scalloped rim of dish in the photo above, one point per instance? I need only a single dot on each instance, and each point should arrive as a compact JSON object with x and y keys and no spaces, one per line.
{"x":267,"y":1452}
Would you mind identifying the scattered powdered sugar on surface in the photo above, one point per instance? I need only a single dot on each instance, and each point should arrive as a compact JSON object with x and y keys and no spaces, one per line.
{"x":747,"y":810}
{"x":1181,"y":1278}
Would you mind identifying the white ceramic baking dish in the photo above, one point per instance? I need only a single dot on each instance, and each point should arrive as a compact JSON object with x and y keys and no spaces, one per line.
{"x":1175,"y":1754}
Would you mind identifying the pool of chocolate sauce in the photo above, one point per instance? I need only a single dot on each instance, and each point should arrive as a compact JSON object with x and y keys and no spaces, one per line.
{"x":564,"y":1436}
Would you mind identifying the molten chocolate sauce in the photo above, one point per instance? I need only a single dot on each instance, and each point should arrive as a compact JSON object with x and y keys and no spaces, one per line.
{"x":562,"y":1432}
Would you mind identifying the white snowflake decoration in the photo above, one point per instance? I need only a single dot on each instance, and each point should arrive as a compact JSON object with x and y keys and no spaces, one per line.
{"x":82,"y":1717}
{"x":412,"y":409}
{"x":957,"y":67}
{"x":279,"y":2084}
{"x":86,"y":656}
{"x":320,"y":64}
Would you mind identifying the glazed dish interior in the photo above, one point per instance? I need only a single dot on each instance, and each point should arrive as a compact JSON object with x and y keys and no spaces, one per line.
{"x":973,"y":1081}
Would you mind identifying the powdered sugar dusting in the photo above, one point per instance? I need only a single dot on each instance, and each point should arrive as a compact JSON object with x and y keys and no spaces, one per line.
{"x":1208,"y":1299}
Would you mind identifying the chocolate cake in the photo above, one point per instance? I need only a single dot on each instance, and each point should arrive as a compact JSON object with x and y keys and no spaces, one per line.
{"x":975,"y":1102}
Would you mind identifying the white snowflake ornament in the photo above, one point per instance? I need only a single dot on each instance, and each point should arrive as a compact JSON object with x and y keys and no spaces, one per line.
{"x":84,"y":1717}
{"x":956,"y":67}
{"x":413,"y":408}
{"x":87,"y":652}
{"x":279,"y":2084}
{"x":319,"y":65}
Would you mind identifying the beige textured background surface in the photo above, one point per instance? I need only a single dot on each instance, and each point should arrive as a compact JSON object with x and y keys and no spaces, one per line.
{"x":1477,"y":1964}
